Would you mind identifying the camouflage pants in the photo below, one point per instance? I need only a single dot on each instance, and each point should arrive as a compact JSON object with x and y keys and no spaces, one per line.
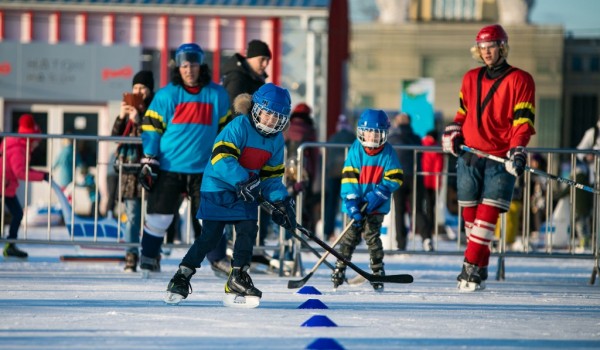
{"x":370,"y":230}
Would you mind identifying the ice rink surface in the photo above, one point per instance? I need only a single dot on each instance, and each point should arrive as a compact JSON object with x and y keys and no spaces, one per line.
{"x":542,"y":304}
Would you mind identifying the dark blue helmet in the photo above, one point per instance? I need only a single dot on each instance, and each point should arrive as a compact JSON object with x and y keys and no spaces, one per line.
{"x":191,"y":52}
{"x":372,"y":128}
{"x":274,"y":101}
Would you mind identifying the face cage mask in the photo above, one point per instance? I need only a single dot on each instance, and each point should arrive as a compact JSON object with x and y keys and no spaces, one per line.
{"x":266,"y":130}
{"x":379,"y":137}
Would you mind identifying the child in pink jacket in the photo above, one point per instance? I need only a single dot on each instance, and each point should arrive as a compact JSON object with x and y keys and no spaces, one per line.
{"x":13,"y":157}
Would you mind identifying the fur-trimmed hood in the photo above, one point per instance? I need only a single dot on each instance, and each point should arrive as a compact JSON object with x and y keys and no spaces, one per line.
{"x":242,"y":104}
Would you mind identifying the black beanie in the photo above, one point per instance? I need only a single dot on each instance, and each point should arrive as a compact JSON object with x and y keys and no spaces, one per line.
{"x":258,"y":48}
{"x":144,"y":77}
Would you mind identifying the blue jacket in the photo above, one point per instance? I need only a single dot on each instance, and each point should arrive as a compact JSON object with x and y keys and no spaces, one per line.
{"x":238,"y":151}
{"x":363,"y":172}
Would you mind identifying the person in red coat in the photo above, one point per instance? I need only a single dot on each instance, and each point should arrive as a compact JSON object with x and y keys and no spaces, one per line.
{"x":431,"y":163}
{"x":13,"y":154}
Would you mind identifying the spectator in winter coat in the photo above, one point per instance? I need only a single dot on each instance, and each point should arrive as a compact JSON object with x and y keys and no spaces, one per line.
{"x":431,"y":162}
{"x":335,"y":162}
{"x":16,"y":157}
{"x":129,"y":123}
{"x":246,"y":74}
{"x":402,"y":134}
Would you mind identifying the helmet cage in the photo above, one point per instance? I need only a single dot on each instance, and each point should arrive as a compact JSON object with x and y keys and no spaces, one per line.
{"x":371,"y":137}
{"x":268,"y":128}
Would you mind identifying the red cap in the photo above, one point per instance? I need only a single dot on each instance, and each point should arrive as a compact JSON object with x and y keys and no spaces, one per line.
{"x":302,"y":108}
{"x":491,"y":33}
{"x":27,"y":125}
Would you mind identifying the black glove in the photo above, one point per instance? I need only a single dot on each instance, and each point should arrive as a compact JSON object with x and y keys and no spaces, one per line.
{"x":517,"y":160}
{"x":47,"y":177}
{"x":248,"y":190}
{"x":452,"y":138}
{"x":285,"y":216}
{"x":148,"y":172}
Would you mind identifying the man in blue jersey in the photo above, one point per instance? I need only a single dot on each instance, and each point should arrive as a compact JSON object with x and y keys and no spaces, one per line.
{"x":178,"y":130}
{"x":246,"y":162}
{"x":371,"y":173}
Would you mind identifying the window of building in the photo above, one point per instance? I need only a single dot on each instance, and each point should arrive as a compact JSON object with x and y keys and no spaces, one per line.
{"x":584,"y":114}
{"x":595,"y":63}
{"x":577,"y":64}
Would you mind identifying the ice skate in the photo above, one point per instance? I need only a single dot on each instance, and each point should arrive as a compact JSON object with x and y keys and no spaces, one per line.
{"x":179,"y":287}
{"x":221,"y":268}
{"x":11,"y":251}
{"x":131,"y":261}
{"x":339,"y":275}
{"x":378,"y":271}
{"x":483,"y":274}
{"x":240,"y":291}
{"x":148,"y":265}
{"x":469,"y":279}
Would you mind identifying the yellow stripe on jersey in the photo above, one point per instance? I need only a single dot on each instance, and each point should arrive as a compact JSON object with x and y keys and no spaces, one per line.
{"x":222,"y":150}
{"x":350,"y":175}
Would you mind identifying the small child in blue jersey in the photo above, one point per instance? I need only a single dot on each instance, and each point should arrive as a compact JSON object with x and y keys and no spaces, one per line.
{"x":371,"y":173}
{"x":246,"y":163}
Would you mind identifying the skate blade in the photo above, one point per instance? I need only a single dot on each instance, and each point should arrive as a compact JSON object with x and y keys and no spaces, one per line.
{"x":240,"y":302}
{"x":145,"y":274}
{"x":173,"y":298}
{"x":468,"y":287}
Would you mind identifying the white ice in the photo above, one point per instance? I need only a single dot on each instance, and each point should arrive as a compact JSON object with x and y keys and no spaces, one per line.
{"x":542,"y":304}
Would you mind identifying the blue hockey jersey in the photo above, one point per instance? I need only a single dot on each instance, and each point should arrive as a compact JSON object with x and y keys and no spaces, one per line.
{"x":238,"y":151}
{"x":179,"y":127}
{"x":363,"y":172}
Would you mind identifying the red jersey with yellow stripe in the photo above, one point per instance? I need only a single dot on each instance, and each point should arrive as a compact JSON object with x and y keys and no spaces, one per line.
{"x":497,"y":114}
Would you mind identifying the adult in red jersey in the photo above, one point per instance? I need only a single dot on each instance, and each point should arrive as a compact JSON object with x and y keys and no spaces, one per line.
{"x":496,"y":115}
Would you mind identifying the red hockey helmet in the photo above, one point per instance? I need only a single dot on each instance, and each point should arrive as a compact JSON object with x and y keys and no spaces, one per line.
{"x":492,"y":33}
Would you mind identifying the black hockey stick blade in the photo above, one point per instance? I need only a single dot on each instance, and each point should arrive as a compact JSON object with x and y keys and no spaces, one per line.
{"x":299,"y":283}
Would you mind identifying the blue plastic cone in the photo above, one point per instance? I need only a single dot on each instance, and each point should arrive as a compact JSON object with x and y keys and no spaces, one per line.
{"x":313,"y":304}
{"x":325,"y":344}
{"x":319,"y":321}
{"x":308,"y":290}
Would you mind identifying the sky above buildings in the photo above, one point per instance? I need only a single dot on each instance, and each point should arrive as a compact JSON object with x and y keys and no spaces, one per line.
{"x":579,"y":17}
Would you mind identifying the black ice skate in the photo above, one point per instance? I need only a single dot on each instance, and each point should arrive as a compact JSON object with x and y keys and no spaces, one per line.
{"x":131,"y":261}
{"x":469,"y":279}
{"x":239,"y":289}
{"x":11,"y":251}
{"x":148,"y":265}
{"x":179,"y":287}
{"x":483,"y":274}
{"x":339,"y":275}
{"x":378,"y":271}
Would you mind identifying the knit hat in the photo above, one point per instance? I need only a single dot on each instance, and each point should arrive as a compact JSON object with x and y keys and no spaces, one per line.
{"x":144,"y":77}
{"x":258,"y":48}
{"x":27,"y":125}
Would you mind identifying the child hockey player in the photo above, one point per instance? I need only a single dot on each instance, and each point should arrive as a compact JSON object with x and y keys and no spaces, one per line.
{"x":246,"y":162}
{"x":371,"y":173}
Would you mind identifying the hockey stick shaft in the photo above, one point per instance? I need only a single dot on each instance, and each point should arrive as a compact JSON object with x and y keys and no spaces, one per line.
{"x":404,"y":278}
{"x":301,"y":282}
{"x":531,"y":170}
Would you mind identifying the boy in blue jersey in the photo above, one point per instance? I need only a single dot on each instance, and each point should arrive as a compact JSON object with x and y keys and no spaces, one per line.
{"x":178,"y":130}
{"x":246,"y":162}
{"x":371,"y":173}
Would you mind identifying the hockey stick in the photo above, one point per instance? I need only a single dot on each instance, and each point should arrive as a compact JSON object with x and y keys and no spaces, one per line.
{"x":403,"y":278}
{"x":300,"y":283}
{"x":531,"y":170}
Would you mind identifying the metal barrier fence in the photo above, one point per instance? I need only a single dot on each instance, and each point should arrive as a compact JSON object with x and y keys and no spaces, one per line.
{"x":99,"y":231}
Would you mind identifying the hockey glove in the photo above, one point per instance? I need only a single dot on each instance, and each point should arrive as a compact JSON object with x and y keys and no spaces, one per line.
{"x":517,"y":158}
{"x":148,"y":172}
{"x":352,"y":205}
{"x":376,"y":198}
{"x":452,"y":138}
{"x":285,"y":216}
{"x":249,"y":190}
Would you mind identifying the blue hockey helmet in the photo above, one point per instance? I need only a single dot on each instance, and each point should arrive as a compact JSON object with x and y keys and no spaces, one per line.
{"x":191,"y":52}
{"x":372,"y":128}
{"x":276,"y":103}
